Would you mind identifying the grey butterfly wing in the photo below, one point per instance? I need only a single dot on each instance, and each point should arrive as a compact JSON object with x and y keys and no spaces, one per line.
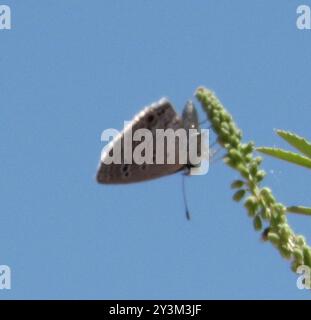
{"x":160,"y":115}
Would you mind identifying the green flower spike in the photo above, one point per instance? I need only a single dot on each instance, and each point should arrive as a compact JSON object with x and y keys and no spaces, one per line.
{"x":260,"y":203}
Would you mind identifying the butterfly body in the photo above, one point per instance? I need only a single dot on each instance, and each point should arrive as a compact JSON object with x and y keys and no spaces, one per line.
{"x":159,"y":115}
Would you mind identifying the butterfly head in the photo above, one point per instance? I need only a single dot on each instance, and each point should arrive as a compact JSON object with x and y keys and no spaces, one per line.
{"x":190,"y":120}
{"x":190,"y":116}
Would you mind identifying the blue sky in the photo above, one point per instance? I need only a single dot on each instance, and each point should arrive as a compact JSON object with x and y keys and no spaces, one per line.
{"x":70,"y":69}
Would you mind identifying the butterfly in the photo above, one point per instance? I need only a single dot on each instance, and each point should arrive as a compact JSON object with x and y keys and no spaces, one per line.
{"x":158,"y":115}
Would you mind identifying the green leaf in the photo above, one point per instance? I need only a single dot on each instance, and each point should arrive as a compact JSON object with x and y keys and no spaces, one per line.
{"x":239,"y":195}
{"x":300,"y":210}
{"x":257,"y":223}
{"x":287,"y":156}
{"x":237,"y":184}
{"x":296,"y":141}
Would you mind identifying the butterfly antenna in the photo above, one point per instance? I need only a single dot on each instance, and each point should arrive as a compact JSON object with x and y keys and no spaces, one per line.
{"x":185,"y":198}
